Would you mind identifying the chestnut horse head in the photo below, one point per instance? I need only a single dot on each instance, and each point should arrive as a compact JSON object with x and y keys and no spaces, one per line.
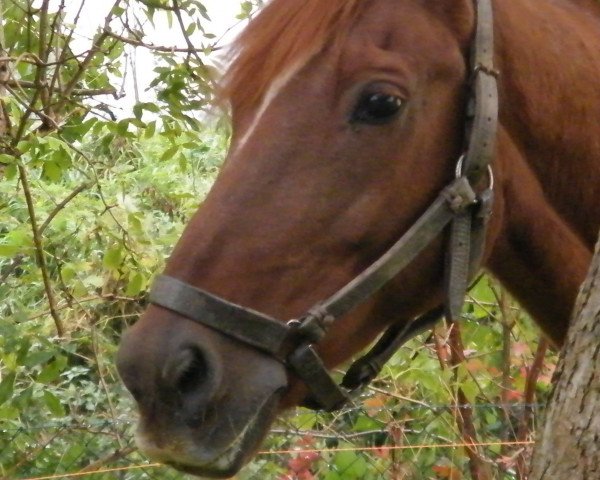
{"x":348,"y":118}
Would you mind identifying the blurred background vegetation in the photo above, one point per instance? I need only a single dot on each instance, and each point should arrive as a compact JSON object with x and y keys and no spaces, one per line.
{"x":97,"y":181}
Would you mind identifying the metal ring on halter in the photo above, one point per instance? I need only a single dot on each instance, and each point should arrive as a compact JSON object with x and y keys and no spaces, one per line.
{"x":459,"y":173}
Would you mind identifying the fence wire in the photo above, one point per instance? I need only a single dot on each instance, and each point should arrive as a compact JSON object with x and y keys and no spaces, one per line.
{"x":375,"y":439}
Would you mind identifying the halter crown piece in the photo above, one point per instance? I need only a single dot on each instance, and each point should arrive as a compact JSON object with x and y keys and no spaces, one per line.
{"x":458,"y":204}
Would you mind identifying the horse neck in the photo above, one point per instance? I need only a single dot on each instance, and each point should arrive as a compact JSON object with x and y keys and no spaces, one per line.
{"x":549,"y":154}
{"x":549,"y":56}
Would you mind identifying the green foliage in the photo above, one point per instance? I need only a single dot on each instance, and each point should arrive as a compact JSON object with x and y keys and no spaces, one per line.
{"x":102,"y":250}
{"x":90,"y":205}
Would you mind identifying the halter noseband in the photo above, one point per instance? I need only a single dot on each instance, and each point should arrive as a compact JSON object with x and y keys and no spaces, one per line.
{"x":458,"y":204}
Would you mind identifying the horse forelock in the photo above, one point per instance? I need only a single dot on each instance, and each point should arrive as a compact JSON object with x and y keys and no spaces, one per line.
{"x":285,"y":35}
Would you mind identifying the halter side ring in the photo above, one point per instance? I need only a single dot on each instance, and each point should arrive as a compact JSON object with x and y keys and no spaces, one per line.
{"x":459,"y":173}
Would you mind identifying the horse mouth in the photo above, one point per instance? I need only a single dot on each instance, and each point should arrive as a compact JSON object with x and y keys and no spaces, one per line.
{"x":192,"y":457}
{"x":230,"y":461}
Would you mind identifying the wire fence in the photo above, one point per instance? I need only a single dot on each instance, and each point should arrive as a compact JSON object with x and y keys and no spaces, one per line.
{"x":375,"y":439}
{"x":65,"y":414}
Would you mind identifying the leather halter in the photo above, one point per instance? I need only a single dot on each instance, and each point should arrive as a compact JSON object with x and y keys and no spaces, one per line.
{"x":458,"y":204}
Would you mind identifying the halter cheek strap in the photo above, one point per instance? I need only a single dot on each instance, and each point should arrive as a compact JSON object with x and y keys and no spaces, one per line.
{"x":459,"y":205}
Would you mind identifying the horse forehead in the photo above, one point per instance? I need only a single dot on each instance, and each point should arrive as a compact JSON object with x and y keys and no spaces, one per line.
{"x":274,"y":90}
{"x":391,"y":35}
{"x":407,"y":28}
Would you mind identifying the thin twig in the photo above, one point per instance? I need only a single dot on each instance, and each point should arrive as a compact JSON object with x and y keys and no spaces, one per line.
{"x":464,"y":416}
{"x":53,"y":32}
{"x":78,"y":92}
{"x":29,"y":109}
{"x":40,"y":75}
{"x":39,"y":250}
{"x":398,"y":396}
{"x":110,"y":458}
{"x":188,"y":41}
{"x":96,"y":47}
{"x":525,"y":426}
{"x":111,"y":407}
{"x":63,"y":204}
{"x":151,"y":46}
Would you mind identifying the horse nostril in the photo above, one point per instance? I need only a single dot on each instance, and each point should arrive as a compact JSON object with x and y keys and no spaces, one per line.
{"x":188,"y":371}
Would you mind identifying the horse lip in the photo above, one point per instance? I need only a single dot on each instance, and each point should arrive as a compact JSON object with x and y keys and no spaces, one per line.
{"x":225,"y":463}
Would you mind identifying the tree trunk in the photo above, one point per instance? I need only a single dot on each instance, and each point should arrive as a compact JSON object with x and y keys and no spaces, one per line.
{"x":569,"y":444}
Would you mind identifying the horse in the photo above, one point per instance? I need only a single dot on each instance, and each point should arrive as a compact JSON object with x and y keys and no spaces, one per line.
{"x":348,"y":120}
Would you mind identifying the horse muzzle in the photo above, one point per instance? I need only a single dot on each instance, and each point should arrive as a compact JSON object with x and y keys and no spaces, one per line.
{"x":198,"y":413}
{"x":193,"y":452}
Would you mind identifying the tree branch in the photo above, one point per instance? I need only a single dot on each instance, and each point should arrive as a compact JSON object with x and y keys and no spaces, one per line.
{"x":96,"y":47}
{"x":150,"y":46}
{"x":177,"y":11}
{"x":39,"y":251}
{"x":63,"y":204}
{"x":78,"y":92}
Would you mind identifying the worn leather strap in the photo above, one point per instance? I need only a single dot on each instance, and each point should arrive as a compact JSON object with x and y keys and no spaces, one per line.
{"x":455,"y":197}
{"x":467,"y":237}
{"x":244,"y":324}
{"x":457,"y":264}
{"x":364,"y":370}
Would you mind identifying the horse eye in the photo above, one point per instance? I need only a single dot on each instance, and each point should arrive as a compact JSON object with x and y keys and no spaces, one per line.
{"x":377,"y":108}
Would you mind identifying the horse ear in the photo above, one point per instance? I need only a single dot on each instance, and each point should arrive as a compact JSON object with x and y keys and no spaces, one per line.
{"x":459,"y":15}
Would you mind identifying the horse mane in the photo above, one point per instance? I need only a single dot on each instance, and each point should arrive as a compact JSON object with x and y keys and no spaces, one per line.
{"x":285,"y":34}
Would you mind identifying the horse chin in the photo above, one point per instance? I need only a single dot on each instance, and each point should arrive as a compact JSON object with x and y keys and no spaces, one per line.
{"x":196,"y":457}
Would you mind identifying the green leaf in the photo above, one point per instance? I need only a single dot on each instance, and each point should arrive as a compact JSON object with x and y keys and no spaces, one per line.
{"x":113,"y":258}
{"x":151,"y":107}
{"x":332,"y":475}
{"x":183,"y":162}
{"x":10,"y":172}
{"x":118,"y":11}
{"x":37,"y":358}
{"x":135,"y":225}
{"x":150,"y":130}
{"x":364,"y":423}
{"x":6,"y":159}
{"x":8,"y":412}
{"x":138,"y":111}
{"x":9,"y":250}
{"x":7,"y":387}
{"x":135,"y":285}
{"x":190,"y":29}
{"x":68,"y":272}
{"x":52,"y":171}
{"x":54,"y":404}
{"x":169,"y":153}
{"x":95,"y":281}
{"x":25,"y":145}
{"x":349,"y":465}
{"x":49,"y":373}
{"x":123,"y":126}
{"x":304,"y":420}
